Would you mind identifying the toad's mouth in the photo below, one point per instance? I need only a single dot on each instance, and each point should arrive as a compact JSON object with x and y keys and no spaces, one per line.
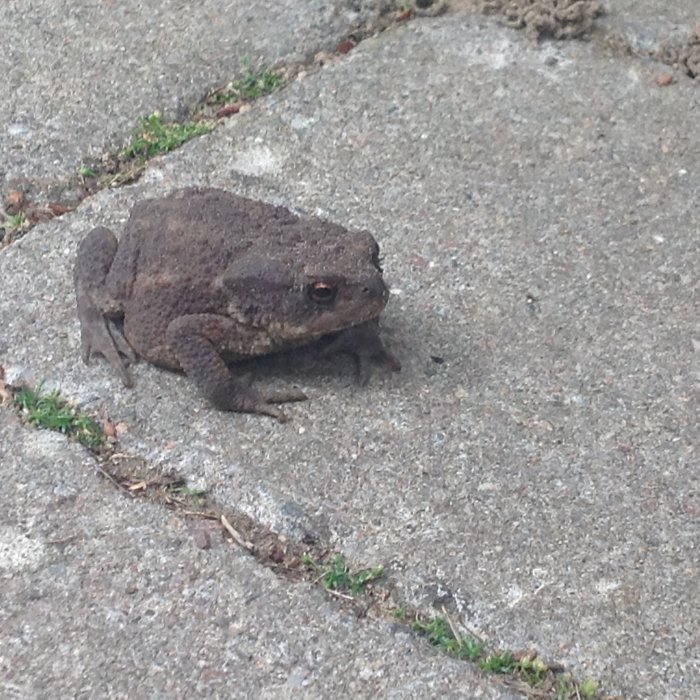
{"x":286,"y":334}
{"x":335,"y":320}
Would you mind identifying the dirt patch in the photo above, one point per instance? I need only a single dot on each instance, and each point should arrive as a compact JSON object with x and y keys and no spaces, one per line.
{"x":558,"y":19}
{"x":683,"y":55}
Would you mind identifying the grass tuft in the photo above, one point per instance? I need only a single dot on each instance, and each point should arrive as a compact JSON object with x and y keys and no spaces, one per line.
{"x":14,"y":224}
{"x":438,"y":633}
{"x":255,"y":83}
{"x":336,"y":575}
{"x":51,"y":412}
{"x":500,"y":662}
{"x":543,"y":681}
{"x":152,"y":136}
{"x":197,"y":497}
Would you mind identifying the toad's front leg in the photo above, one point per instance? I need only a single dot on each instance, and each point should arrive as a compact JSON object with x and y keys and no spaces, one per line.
{"x":97,"y":309}
{"x":365,"y":345}
{"x":195,"y":341}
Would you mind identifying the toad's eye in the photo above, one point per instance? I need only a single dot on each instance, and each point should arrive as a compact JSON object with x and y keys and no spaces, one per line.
{"x":321,"y":292}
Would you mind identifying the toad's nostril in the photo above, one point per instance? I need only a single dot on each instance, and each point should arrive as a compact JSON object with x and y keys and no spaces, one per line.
{"x":374,"y":290}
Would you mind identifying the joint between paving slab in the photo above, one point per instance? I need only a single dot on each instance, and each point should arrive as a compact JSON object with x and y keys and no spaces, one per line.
{"x":546,"y":19}
{"x":20,"y":211}
{"x":308,"y":560}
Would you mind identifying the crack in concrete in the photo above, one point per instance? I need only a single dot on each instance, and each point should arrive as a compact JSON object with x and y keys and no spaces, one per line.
{"x":301,"y":560}
{"x":288,"y":559}
{"x":559,"y":19}
{"x":114,"y":170}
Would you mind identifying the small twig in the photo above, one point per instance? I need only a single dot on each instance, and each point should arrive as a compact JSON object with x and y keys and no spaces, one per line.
{"x":140,"y":485}
{"x":115,"y":457}
{"x":108,"y":476}
{"x":174,"y":502}
{"x":63,"y":540}
{"x":339,"y":594}
{"x":199,"y":514}
{"x":456,"y":634}
{"x":472,"y":633}
{"x":236,"y":535}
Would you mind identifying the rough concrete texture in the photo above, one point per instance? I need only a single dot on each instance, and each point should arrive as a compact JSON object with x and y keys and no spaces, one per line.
{"x":103,"y":597}
{"x":534,"y":468}
{"x":76,"y":76}
{"x":649,"y":25}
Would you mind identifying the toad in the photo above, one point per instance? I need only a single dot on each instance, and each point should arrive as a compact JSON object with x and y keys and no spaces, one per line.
{"x":203,"y":277}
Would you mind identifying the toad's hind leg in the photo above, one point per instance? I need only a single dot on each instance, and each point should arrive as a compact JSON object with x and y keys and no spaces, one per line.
{"x":196,"y":340}
{"x":96,"y":308}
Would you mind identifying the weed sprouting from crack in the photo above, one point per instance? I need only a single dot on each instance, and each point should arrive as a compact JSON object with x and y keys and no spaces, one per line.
{"x":153,"y":136}
{"x":525,"y":670}
{"x":12,"y":225}
{"x":50,"y":412}
{"x":336,"y":575}
{"x":437,"y":632}
{"x":255,"y":83}
{"x":197,"y":496}
{"x":362,"y":588}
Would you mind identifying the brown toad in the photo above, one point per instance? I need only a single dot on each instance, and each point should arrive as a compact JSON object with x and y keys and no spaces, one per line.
{"x":203,"y":276}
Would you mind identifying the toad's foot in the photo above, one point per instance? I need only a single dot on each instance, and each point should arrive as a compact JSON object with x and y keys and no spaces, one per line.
{"x":98,"y":331}
{"x":365,"y":345}
{"x":99,"y":335}
{"x":249,"y":400}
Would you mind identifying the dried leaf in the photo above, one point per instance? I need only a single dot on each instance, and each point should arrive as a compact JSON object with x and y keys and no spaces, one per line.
{"x":58,"y":209}
{"x":344,"y":46}
{"x":14,"y":200}
{"x":109,"y":428}
{"x":228,"y":110}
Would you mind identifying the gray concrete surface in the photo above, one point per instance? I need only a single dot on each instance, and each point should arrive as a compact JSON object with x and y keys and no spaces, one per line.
{"x":76,"y":76}
{"x":106,"y":598}
{"x":648,"y":24}
{"x":538,"y":215}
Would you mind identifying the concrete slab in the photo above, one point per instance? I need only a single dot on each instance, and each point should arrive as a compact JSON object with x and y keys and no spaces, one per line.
{"x":77,"y":76}
{"x":103,"y":596}
{"x":534,"y":468}
{"x":648,"y":24}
